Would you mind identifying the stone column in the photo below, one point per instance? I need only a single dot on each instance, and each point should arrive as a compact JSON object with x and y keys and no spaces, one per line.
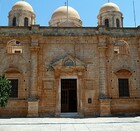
{"x":121,"y":21}
{"x":33,"y":91}
{"x":103,"y":94}
{"x":113,"y":21}
{"x":20,"y":23}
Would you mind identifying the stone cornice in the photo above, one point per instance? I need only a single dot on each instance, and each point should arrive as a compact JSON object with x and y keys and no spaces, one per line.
{"x":68,"y":31}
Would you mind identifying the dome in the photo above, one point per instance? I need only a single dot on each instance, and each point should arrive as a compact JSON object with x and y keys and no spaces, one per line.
{"x":22,"y":5}
{"x":59,"y":17}
{"x":109,"y":7}
{"x":61,"y":12}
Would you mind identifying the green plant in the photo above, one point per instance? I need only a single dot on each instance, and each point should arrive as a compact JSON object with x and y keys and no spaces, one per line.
{"x":5,"y":90}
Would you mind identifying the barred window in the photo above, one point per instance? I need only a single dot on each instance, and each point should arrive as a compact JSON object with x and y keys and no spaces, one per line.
{"x":14,"y":89}
{"x":123,"y":87}
{"x":69,"y":63}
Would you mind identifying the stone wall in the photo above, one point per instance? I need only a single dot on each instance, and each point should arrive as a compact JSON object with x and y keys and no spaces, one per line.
{"x":40,"y":67}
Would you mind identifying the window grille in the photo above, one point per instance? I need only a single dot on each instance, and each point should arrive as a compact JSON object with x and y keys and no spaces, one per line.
{"x":14,"y":89}
{"x":123,"y":87}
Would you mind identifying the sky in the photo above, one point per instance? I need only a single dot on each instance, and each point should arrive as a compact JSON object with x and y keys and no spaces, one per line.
{"x":87,"y":9}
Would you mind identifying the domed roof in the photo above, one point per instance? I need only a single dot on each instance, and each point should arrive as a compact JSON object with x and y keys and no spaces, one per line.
{"x":22,"y":5}
{"x":61,"y":13}
{"x":109,"y":7}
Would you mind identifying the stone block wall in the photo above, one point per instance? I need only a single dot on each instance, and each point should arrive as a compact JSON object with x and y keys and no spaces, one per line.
{"x":41,"y":66}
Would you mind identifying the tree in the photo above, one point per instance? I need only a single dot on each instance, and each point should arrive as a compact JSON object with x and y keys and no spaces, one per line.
{"x":5,"y":90}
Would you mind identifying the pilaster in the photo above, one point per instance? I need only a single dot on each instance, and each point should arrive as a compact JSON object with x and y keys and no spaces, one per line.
{"x":103,"y":91}
{"x":102,"y":68}
{"x":33,"y":90}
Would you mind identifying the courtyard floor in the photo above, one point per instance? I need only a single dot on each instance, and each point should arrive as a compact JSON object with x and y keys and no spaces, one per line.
{"x":71,"y":124}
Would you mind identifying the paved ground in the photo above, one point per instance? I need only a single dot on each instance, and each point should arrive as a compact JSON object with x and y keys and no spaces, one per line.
{"x":71,"y":124}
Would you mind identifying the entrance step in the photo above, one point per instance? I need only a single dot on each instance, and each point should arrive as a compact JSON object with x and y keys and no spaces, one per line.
{"x":70,"y":115}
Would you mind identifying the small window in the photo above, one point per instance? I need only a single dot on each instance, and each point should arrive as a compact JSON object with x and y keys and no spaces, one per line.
{"x":106,"y":22}
{"x":14,"y":89}
{"x":69,"y":63}
{"x":18,"y":51}
{"x":117,"y":23}
{"x":116,"y":50}
{"x":123,"y":87}
{"x":26,"y":21}
{"x":14,"y":21}
{"x":89,"y":100}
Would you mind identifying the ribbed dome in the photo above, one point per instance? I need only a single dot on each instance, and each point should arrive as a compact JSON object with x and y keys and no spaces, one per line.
{"x":61,"y":13}
{"x":109,"y":7}
{"x":22,"y":5}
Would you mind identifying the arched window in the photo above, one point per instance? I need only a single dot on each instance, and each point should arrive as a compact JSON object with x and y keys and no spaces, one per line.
{"x":106,"y":22}
{"x":14,"y":46}
{"x":69,"y":63}
{"x":123,"y":77}
{"x":14,"y":21}
{"x":26,"y":21}
{"x":121,"y":47}
{"x":117,"y":23}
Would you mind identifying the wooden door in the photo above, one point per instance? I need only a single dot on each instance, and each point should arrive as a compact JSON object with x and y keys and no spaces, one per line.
{"x":68,"y":95}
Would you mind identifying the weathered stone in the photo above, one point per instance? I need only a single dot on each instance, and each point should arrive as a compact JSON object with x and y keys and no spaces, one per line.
{"x":44,"y":61}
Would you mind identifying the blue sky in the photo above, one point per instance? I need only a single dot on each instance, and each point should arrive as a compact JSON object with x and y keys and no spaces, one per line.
{"x":88,"y":10}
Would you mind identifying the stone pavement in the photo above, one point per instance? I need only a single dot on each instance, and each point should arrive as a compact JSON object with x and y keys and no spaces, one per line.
{"x":71,"y":124}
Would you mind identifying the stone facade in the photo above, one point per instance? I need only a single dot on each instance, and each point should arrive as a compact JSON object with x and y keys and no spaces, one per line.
{"x":100,"y":56}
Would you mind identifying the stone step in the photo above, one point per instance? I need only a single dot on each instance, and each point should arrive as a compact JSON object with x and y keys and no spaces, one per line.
{"x":70,"y":115}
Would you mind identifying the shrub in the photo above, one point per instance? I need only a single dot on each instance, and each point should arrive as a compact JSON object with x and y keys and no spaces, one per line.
{"x":5,"y":90}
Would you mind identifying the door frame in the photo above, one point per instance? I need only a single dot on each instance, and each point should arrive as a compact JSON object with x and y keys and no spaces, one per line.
{"x":69,"y":77}
{"x":69,"y":97}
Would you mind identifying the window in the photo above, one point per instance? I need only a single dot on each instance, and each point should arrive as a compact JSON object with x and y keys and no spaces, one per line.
{"x":106,"y":22}
{"x":26,"y":21}
{"x":14,"y":46}
{"x":123,"y":87}
{"x":14,"y":89}
{"x":117,"y":23}
{"x":116,"y":50}
{"x":121,"y":47}
{"x":14,"y":21}
{"x":69,"y":63}
{"x":17,"y":51}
